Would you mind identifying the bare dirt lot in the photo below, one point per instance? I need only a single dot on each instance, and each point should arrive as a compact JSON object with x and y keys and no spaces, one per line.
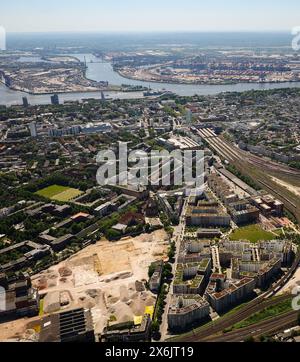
{"x":105,"y":277}
{"x":18,"y":330}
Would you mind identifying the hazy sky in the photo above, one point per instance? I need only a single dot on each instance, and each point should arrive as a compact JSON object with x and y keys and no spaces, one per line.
{"x":149,"y":15}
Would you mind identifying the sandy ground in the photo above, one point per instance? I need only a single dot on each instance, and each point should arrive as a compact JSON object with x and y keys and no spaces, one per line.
{"x":294,"y":282}
{"x":16,"y":330}
{"x":104,"y":278}
{"x":294,"y":189}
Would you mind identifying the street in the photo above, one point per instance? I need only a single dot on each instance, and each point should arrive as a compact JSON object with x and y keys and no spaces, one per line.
{"x":178,"y":238}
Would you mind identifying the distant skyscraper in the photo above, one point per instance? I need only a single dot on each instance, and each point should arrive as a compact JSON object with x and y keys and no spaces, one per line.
{"x":25,"y":102}
{"x":33,"y":130}
{"x":54,"y":99}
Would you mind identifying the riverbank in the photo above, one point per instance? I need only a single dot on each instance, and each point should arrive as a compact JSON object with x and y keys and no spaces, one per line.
{"x":26,"y":91}
{"x":104,"y":72}
{"x":196,"y":83}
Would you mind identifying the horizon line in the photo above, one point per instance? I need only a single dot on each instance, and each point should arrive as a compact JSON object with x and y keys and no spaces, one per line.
{"x":150,"y":31}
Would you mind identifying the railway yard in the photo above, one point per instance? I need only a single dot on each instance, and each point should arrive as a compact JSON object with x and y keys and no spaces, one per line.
{"x":261,"y":170}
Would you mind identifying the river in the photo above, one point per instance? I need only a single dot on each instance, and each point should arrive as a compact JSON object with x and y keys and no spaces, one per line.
{"x":103,"y":71}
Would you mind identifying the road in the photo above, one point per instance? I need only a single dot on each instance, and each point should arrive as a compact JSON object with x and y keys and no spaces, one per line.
{"x":177,"y":238}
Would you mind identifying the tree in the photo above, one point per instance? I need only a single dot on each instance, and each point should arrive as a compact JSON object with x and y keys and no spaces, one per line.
{"x":167,"y":271}
{"x":76,"y":228}
{"x":151,"y":270}
{"x":113,"y":234}
{"x":171,"y":252}
{"x":155,"y":326}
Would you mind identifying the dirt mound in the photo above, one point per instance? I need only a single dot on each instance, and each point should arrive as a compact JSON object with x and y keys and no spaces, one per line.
{"x":65,"y":272}
{"x":118,"y":276}
{"x":140,"y":301}
{"x":122,"y":312}
{"x":94,"y":293}
{"x":41,"y":283}
{"x":139,"y":286}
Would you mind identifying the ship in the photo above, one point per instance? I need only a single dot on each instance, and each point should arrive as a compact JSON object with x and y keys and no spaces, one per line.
{"x":153,"y":93}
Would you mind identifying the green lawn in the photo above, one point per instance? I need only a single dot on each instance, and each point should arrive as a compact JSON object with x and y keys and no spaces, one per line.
{"x":252,"y":233}
{"x":59,"y":193}
{"x":273,"y":311}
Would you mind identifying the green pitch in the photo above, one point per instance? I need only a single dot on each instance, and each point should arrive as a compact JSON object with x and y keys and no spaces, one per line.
{"x":59,"y":193}
{"x":253,"y":233}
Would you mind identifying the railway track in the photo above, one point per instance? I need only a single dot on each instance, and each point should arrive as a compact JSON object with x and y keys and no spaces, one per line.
{"x":231,"y":151}
{"x":226,"y":322}
{"x":256,"y":168}
{"x":279,"y":194}
{"x":266,"y":327}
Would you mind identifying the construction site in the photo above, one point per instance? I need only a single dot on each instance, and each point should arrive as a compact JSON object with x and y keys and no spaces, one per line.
{"x":107,"y":278}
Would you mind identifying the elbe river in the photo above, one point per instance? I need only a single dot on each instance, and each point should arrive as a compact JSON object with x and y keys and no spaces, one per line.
{"x":100,"y":71}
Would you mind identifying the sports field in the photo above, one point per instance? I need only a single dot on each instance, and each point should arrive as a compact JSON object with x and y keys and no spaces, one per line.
{"x":252,"y":233}
{"x":59,"y":193}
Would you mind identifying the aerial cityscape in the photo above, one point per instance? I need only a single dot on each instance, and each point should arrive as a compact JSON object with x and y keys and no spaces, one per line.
{"x":150,"y":174}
